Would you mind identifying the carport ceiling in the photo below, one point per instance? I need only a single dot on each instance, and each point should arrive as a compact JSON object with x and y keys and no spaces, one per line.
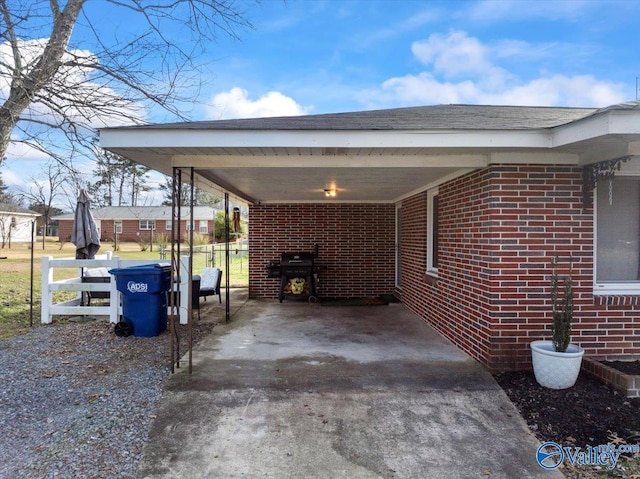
{"x":308,"y":184}
{"x":372,"y":156}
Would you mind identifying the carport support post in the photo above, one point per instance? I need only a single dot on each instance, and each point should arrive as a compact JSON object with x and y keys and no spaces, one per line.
{"x":226,"y":254}
{"x":176,"y":196}
{"x":190,"y":281}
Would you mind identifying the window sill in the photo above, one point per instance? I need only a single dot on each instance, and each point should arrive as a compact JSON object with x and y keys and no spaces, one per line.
{"x":616,"y":289}
{"x":431,"y":277}
{"x":616,"y":294}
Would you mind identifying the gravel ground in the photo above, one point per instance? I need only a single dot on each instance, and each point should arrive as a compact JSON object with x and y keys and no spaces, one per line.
{"x":77,"y":401}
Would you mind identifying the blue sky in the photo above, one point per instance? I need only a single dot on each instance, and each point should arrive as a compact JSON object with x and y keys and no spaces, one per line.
{"x":327,"y":56}
{"x":320,"y":56}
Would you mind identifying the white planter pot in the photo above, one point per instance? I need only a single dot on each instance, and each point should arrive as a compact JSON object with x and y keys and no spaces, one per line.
{"x":556,"y":370}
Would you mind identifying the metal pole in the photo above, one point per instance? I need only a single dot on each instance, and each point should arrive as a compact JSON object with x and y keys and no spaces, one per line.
{"x":33,"y":244}
{"x":226,"y":254}
{"x":177,"y":266}
{"x":172,"y":299}
{"x":190,"y":309}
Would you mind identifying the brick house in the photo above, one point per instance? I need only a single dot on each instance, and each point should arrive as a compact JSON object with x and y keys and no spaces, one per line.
{"x":137,"y":223}
{"x":458,"y":210}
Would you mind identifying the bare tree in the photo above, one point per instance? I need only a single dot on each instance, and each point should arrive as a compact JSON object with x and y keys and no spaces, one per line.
{"x":41,"y":194}
{"x":60,"y":73}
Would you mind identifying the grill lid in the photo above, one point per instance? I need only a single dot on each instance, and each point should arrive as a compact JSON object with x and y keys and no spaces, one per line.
{"x":296,"y":259}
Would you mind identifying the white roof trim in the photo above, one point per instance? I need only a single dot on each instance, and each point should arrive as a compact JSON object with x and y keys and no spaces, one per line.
{"x":149,"y":138}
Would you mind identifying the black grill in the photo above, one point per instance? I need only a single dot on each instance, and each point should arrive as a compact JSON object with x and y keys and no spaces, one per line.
{"x":297,"y":279}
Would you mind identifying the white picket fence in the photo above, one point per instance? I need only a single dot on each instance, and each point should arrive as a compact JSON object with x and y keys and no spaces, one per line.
{"x":114,"y":308}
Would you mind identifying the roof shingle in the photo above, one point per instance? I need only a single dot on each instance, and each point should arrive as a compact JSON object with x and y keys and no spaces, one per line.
{"x":438,"y":117}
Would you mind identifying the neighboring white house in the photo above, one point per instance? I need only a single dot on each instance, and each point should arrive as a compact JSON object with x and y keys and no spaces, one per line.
{"x":15,"y":224}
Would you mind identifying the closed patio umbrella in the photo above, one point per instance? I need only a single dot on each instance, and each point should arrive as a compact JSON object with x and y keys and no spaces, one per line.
{"x":85,"y":232}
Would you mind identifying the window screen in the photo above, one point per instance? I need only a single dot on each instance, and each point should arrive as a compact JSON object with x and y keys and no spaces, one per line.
{"x":618,"y":230}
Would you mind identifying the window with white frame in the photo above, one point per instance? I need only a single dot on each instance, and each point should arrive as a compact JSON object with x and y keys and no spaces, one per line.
{"x":203,"y":226}
{"x":117,"y":227}
{"x":432,"y":232}
{"x":168,"y":225}
{"x":189,"y":225}
{"x":147,"y":225}
{"x":617,"y":236}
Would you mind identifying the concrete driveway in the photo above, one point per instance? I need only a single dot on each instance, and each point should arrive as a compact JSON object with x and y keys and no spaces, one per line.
{"x":299,"y":390}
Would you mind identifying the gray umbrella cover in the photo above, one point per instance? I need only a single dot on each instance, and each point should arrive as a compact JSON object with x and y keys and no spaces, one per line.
{"x":85,"y":232}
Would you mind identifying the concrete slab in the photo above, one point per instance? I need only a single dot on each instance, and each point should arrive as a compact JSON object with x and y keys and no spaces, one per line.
{"x":305,"y":391}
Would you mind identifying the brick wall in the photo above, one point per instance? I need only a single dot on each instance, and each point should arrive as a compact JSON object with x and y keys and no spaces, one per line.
{"x":356,"y":245}
{"x":499,"y":230}
{"x":64,"y":230}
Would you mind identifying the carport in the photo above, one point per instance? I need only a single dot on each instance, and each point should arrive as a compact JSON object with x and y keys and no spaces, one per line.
{"x":455,"y":209}
{"x":338,"y":170}
{"x":369,"y":159}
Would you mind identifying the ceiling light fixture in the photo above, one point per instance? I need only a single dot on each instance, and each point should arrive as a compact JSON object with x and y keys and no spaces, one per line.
{"x":330,"y":192}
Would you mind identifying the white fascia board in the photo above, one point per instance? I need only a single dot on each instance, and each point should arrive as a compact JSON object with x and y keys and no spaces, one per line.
{"x":625,"y":122}
{"x":533,"y":158}
{"x":610,"y":123}
{"x":165,"y":138}
{"x":338,"y":161}
{"x":633,"y":149}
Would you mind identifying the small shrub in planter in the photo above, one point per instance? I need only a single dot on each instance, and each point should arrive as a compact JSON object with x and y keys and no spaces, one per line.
{"x":556,"y":363}
{"x":562,"y":309}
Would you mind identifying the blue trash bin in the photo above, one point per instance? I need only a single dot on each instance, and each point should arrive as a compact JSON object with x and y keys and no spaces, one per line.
{"x":144,"y":297}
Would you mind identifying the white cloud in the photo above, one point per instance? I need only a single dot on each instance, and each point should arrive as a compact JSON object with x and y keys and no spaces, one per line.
{"x":10,"y":178}
{"x":452,"y":54}
{"x":78,"y":95}
{"x":236,"y":103}
{"x":555,"y":90}
{"x":581,"y":90}
{"x":462,"y":69}
{"x":23,"y":151}
{"x":456,"y":55}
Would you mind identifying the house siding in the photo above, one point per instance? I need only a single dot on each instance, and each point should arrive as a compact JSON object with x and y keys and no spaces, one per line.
{"x":499,"y":230}
{"x":356,"y":244}
{"x":20,"y":232}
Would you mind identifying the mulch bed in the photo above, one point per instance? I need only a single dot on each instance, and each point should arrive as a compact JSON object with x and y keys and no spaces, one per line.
{"x":627,"y":367}
{"x":589,"y":413}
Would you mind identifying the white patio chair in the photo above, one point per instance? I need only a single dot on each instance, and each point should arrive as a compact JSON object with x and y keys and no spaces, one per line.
{"x":210,"y":283}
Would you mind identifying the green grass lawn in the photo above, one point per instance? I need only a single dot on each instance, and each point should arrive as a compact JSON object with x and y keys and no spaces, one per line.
{"x":15,"y":272}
